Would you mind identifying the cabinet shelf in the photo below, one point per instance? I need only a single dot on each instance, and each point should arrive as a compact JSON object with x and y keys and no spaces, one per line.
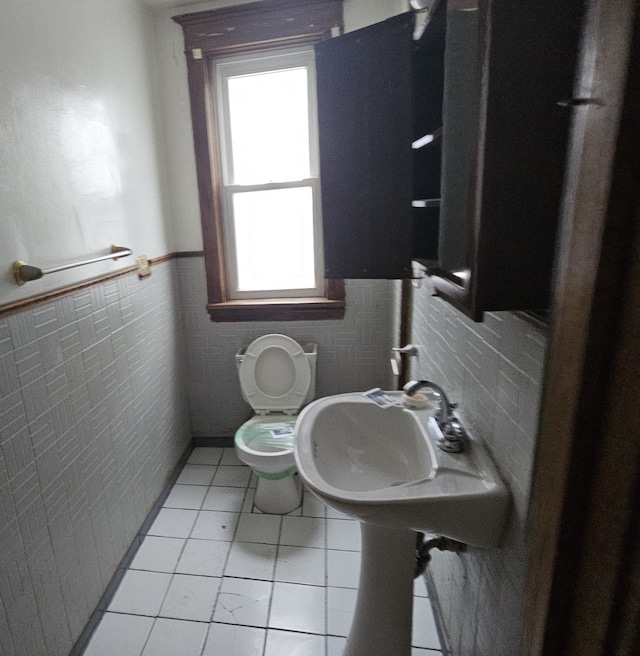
{"x":427,"y":139}
{"x":426,"y":202}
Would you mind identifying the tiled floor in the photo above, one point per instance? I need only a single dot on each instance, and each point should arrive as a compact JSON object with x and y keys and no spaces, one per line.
{"x":216,"y":577}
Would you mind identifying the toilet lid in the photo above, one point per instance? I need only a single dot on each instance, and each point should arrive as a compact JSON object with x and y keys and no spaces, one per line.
{"x":275,"y":374}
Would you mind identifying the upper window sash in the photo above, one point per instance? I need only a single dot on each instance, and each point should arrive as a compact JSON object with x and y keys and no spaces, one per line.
{"x":225,"y":69}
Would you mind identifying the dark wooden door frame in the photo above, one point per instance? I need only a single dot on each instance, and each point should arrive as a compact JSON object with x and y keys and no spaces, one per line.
{"x":583,"y":586}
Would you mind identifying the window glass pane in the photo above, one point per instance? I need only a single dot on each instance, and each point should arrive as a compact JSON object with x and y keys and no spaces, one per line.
{"x":269,"y":126}
{"x":274,"y":239}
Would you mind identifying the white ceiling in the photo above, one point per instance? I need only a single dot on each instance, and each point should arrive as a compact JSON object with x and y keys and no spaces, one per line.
{"x":210,"y":4}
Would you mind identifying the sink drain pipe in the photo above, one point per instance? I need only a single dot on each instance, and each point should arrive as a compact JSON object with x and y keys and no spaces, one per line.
{"x":423,"y":547}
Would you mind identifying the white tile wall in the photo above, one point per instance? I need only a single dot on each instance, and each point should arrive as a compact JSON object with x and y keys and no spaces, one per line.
{"x":92,"y":420}
{"x":494,"y":370}
{"x":353,"y":353}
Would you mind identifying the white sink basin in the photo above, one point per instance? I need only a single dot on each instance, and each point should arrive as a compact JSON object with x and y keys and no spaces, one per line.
{"x":382,"y":466}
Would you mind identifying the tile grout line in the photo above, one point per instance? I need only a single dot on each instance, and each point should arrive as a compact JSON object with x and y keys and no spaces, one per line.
{"x":326,"y":583}
{"x":273,"y":586}
{"x":213,"y":609}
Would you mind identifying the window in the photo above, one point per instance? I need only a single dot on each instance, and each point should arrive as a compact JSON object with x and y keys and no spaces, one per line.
{"x":273,"y":235}
{"x":252,"y":87}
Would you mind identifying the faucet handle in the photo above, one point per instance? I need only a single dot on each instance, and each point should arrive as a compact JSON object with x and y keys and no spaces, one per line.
{"x":454,"y":430}
{"x":409,"y":349}
{"x":453,"y":437}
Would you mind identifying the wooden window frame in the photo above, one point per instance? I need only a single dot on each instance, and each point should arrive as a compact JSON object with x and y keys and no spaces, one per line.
{"x":211,"y":35}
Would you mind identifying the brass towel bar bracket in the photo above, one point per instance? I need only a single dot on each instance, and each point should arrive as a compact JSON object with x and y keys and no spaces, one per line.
{"x":25,"y":273}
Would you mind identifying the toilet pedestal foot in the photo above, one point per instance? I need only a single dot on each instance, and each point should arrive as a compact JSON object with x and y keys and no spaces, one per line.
{"x":278,"y":497}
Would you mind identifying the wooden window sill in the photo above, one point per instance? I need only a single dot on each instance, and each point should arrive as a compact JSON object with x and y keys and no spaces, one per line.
{"x":277,"y":309}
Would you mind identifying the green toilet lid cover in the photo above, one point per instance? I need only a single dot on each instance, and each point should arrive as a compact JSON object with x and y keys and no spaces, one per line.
{"x":268,"y":436}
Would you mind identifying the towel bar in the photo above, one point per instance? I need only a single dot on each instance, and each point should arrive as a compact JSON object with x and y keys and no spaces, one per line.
{"x":25,"y":273}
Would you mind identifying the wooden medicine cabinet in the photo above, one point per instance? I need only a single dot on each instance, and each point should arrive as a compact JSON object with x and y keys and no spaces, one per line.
{"x":450,"y":148}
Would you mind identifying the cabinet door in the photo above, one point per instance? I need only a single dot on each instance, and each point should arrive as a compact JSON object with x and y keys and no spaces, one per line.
{"x":509,"y":66}
{"x":365,"y":131}
{"x":531,"y":62}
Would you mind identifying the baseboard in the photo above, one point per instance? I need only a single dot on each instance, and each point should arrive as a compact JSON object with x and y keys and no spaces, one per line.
{"x":219,"y":442}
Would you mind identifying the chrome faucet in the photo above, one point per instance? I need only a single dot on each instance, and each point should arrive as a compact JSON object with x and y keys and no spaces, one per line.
{"x":444,"y":415}
{"x":453,"y":433}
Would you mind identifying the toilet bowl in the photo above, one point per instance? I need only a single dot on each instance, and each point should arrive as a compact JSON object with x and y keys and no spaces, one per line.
{"x":277,"y":378}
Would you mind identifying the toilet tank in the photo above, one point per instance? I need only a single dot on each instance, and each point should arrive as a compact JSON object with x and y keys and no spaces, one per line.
{"x":311,"y":351}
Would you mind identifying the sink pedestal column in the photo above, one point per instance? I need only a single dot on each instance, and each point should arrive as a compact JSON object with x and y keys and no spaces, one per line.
{"x":382,"y":621}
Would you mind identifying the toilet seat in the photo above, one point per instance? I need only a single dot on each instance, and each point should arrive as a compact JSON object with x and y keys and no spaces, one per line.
{"x":275,"y":375}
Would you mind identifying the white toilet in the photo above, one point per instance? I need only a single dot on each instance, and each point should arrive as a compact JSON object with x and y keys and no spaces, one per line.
{"x":277,"y":377}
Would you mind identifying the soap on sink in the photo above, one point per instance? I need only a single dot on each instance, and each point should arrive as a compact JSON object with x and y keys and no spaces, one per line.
{"x":417,"y":400}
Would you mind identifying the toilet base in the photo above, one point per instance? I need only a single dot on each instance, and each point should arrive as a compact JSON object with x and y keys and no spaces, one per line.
{"x":278,"y":497}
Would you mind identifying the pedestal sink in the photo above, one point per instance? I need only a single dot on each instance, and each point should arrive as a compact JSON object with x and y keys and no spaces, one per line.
{"x":382,"y":466}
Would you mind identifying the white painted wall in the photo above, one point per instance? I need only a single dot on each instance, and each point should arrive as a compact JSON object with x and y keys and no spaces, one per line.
{"x":173,"y":100}
{"x":78,"y":158}
{"x":89,"y":436}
